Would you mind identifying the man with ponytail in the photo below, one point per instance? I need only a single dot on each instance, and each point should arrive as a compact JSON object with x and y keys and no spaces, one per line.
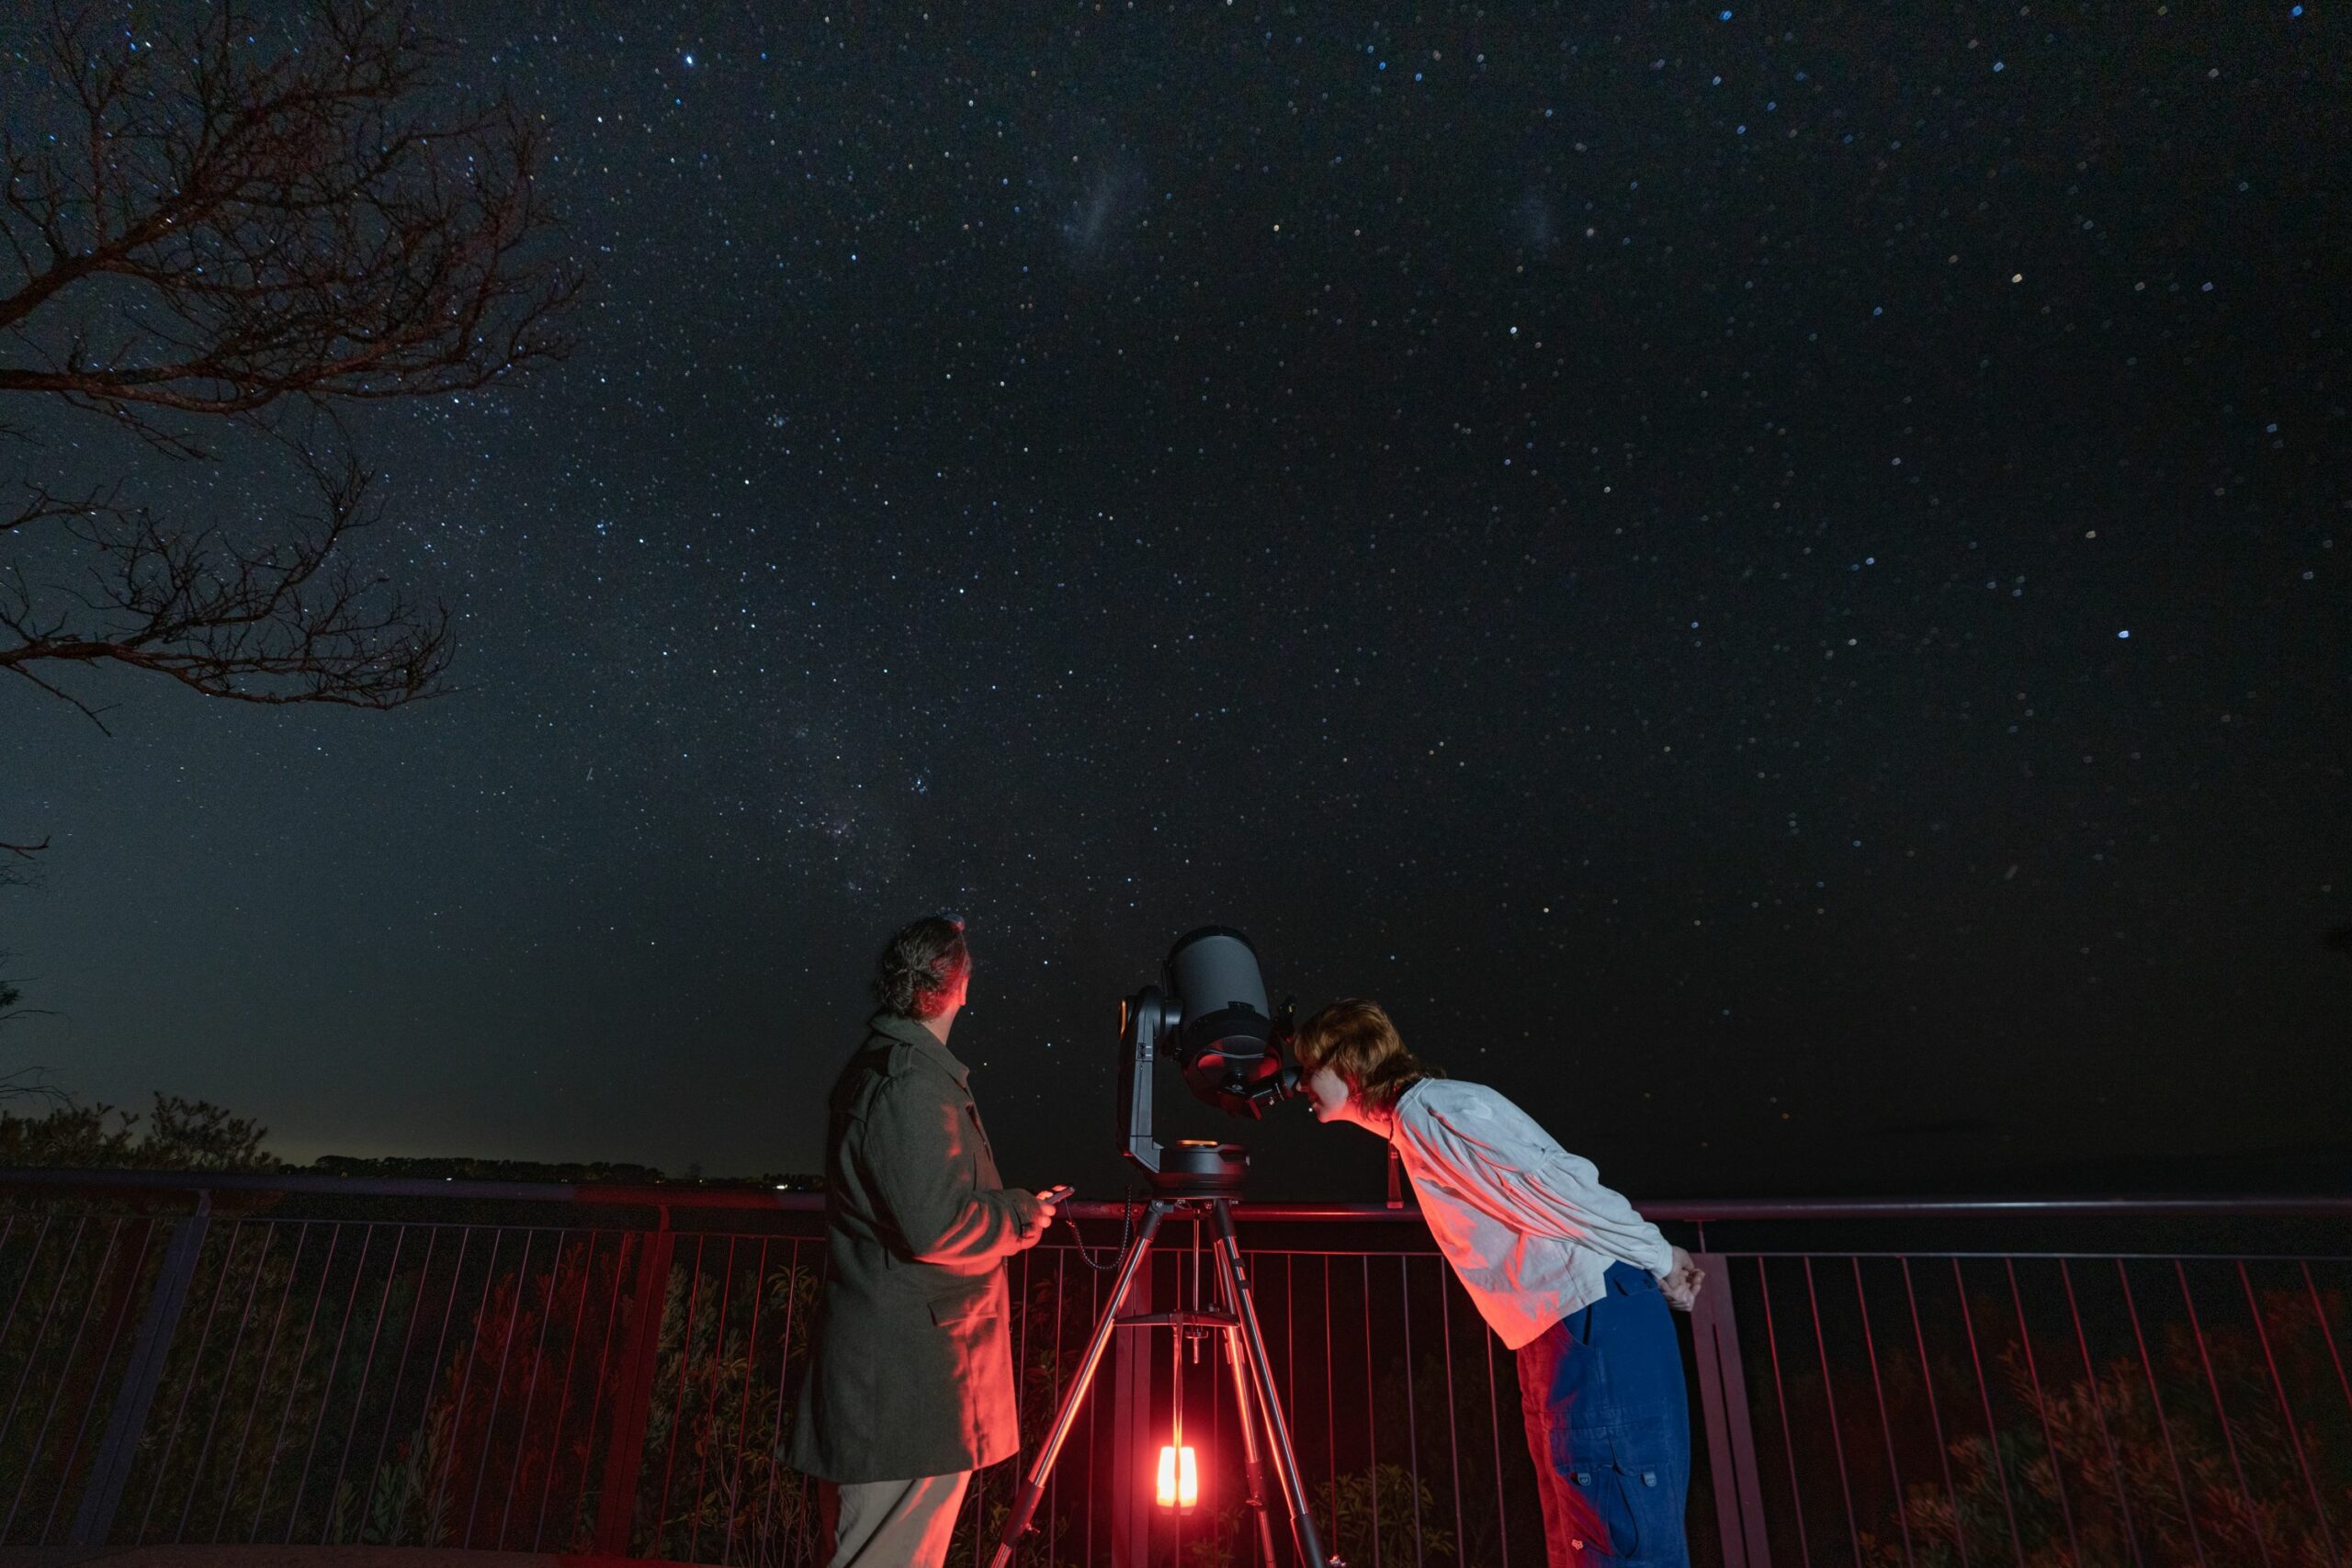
{"x":1563,"y":1269}
{"x":911,"y":1386}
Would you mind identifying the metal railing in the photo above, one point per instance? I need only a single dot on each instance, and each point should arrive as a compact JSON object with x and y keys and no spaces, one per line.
{"x":213,"y":1359}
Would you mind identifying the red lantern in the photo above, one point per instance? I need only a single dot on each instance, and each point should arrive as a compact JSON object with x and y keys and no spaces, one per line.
{"x":1180,"y":1477}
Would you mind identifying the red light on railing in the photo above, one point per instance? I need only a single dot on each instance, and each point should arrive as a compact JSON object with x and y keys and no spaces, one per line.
{"x":1180,"y":1477}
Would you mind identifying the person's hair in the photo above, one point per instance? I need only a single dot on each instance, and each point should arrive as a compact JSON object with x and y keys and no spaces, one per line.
{"x":1357,"y":1041}
{"x":922,"y":967}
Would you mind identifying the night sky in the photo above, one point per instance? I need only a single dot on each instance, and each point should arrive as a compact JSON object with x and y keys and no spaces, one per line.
{"x":1772,"y":582}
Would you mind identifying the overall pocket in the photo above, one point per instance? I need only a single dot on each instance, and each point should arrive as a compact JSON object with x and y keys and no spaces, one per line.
{"x":1626,"y":1477}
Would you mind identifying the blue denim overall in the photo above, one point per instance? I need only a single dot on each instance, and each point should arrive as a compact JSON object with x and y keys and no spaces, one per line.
{"x":1608,"y":1427}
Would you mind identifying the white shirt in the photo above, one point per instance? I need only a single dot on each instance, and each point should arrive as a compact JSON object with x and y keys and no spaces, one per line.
{"x":1526,"y":1224}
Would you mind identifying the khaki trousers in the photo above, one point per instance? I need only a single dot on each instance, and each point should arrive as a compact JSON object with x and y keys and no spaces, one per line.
{"x":895,"y":1523}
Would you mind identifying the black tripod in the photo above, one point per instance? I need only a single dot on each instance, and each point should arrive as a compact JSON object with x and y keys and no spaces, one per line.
{"x":1235,"y":1316}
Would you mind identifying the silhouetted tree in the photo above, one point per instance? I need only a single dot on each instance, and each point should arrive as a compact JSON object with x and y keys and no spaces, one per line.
{"x":179,"y":1135}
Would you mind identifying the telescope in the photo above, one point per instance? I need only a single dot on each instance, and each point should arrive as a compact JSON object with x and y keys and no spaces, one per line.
{"x":1229,"y":1046}
{"x":1213,"y":1020}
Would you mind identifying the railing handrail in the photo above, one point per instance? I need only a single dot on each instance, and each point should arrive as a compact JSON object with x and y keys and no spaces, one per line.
{"x":697,"y":1196}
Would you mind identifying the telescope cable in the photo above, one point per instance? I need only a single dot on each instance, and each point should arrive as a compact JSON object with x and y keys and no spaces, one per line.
{"x":1126,"y":1233}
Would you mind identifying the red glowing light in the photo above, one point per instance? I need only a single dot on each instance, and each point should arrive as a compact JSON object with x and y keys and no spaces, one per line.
{"x":1180,"y":1477}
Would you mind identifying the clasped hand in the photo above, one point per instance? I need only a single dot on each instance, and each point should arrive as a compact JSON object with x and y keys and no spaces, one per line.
{"x":1681,"y":1283}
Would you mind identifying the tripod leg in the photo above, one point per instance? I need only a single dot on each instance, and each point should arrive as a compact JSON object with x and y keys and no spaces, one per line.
{"x":1302,"y":1518}
{"x":1024,"y":1501}
{"x":1253,"y":1470}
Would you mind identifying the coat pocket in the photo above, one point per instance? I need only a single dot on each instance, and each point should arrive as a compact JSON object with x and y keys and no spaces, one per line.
{"x":964,"y":1309}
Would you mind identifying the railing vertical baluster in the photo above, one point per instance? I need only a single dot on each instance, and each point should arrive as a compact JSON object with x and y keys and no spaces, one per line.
{"x":1829,"y":1403}
{"x":570,"y":1364}
{"x":367,"y":1369}
{"x":1094,"y":1310}
{"x":1330,"y":1410}
{"x":1985,"y":1393}
{"x":2221,"y":1416}
{"x":1781,"y":1400}
{"x":2098,"y":1409}
{"x":1018,"y":1304}
{"x":32,"y":1256}
{"x":1495,"y":1425}
{"x":1886,"y":1427}
{"x":294,"y":1384}
{"x":1372,"y":1414}
{"x":1053,"y":1482}
{"x":1190,"y":1299}
{"x":195,"y":1371}
{"x":1290,"y":1359}
{"x":498,"y":1381}
{"x":2041,"y":1407}
{"x":783,"y":1384}
{"x":678,"y":1406}
{"x":465,"y":1379}
{"x":110,"y":1301}
{"x":2327,"y":1334}
{"x":261,"y":1384}
{"x":710,"y":1405}
{"x":1130,"y":1523}
{"x":743,"y":1416}
{"x":808,"y":1519}
{"x":1935,"y":1416}
{"x":603,"y":1358}
{"x":625,"y":1454}
{"x":1452,"y":1427}
{"x":1412,"y":1423}
{"x":810,"y":1516}
{"x":65,"y":1366}
{"x":2163,"y":1426}
{"x":1217,"y":1446}
{"x":7,"y":1233}
{"x":400,"y":1372}
{"x":245,"y":1318}
{"x":2287,"y":1413}
{"x":531,"y":1394}
{"x":1290,"y":1339}
{"x":33,"y":1358}
{"x":326,"y":1390}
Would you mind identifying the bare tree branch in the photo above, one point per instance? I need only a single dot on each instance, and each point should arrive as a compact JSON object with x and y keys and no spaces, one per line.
{"x":29,"y":1082}
{"x":214,"y":234}
{"x":291,"y":621}
{"x":249,"y":226}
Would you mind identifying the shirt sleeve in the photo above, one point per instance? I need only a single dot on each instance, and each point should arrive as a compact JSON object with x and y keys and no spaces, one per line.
{"x":921,"y":1164}
{"x":1538,"y":1190}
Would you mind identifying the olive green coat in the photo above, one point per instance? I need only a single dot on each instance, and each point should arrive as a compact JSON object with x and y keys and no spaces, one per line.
{"x":911,"y":1371}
